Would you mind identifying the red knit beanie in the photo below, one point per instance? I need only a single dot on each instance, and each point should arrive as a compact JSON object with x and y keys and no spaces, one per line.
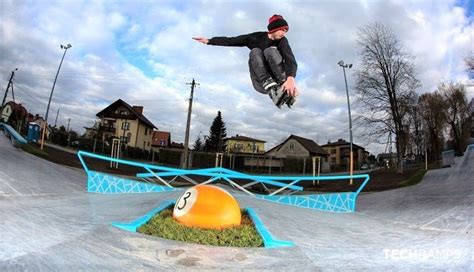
{"x":276,"y":22}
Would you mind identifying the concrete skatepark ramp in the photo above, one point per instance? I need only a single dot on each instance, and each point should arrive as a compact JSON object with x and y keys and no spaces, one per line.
{"x":51,"y":222}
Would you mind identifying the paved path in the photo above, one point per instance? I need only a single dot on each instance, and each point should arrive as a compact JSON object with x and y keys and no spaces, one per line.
{"x":49,"y":222}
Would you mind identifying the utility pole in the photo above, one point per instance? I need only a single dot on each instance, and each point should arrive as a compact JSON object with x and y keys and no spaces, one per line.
{"x":188,"y":124}
{"x":68,"y":122}
{"x":68,"y":134}
{"x":8,"y":87}
{"x":56,"y":121}
{"x":13,"y":93}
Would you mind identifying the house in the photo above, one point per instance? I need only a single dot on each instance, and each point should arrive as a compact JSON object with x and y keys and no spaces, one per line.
{"x":14,"y":114}
{"x":387,"y":159}
{"x":161,"y":139}
{"x":296,"y":146}
{"x":91,"y":132}
{"x":243,"y":144}
{"x":299,"y":147}
{"x":127,"y":123}
{"x":339,"y":153}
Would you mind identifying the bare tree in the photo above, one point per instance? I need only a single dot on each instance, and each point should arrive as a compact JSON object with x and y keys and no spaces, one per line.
{"x":458,"y":112}
{"x":416,"y":132}
{"x":385,"y":86}
{"x":432,"y":108}
{"x":470,"y":62}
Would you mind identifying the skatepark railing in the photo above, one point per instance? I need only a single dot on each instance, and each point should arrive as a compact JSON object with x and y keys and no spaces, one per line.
{"x":286,"y":185}
{"x":16,"y":138}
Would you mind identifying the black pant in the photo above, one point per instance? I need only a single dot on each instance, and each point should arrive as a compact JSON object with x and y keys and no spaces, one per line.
{"x":265,"y":64}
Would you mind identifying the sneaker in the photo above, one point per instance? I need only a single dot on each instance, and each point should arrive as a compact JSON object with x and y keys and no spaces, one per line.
{"x":269,"y":83}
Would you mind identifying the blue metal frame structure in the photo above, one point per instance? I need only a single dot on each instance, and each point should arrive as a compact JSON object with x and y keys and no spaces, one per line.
{"x":287,"y":185}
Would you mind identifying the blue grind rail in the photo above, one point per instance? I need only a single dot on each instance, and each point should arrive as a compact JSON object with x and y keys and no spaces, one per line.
{"x":108,"y":184}
{"x":16,"y":138}
{"x":268,"y":240}
{"x":331,"y":202}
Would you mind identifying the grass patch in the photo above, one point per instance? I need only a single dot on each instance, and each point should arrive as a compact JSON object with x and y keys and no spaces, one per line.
{"x":34,"y":150}
{"x":165,"y":226}
{"x":414,"y":179}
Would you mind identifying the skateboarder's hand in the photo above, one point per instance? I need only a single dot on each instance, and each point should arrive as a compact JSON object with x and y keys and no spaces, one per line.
{"x":201,"y":40}
{"x":290,"y":87}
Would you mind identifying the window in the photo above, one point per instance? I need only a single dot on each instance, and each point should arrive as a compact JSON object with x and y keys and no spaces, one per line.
{"x":292,"y":146}
{"x":124,"y":139}
{"x":333,"y":151}
{"x":125,"y":126}
{"x":146,"y":131}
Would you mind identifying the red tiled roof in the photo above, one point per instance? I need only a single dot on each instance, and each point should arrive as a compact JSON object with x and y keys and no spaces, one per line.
{"x":161,"y":138}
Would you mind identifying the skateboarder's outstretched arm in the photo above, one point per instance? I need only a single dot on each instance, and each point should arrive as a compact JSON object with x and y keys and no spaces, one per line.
{"x":242,"y":40}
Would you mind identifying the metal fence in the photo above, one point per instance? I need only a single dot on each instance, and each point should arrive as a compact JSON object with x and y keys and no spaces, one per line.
{"x":249,"y":163}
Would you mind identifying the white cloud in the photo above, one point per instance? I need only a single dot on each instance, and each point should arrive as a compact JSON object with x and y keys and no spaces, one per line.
{"x":142,"y":52}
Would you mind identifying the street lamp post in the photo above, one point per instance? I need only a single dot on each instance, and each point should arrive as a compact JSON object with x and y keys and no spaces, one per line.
{"x":65,"y":47}
{"x":344,"y":66}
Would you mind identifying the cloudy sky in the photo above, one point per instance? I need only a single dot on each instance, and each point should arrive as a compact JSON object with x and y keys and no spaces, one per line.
{"x":142,"y":52}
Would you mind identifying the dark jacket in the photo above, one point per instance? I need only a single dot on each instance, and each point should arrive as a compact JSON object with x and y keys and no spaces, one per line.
{"x":261,"y":40}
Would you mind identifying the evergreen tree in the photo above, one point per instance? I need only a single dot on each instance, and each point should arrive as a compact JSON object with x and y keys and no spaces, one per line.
{"x":198,"y":144}
{"x":217,"y":133}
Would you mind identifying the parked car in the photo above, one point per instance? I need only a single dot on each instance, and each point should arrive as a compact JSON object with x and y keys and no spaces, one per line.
{"x":364,"y":167}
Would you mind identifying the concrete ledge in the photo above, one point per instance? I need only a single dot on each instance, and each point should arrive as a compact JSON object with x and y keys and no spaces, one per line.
{"x":268,"y":240}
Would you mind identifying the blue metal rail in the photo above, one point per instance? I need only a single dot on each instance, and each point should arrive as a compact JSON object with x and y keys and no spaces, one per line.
{"x":333,"y":202}
{"x":16,"y":138}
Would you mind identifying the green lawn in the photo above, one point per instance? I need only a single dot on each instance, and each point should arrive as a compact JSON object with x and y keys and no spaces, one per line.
{"x":165,"y":226}
{"x":414,"y":179}
{"x":34,"y":150}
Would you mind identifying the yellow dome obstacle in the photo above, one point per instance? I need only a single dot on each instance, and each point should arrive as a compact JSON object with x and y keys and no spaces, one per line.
{"x":207,"y":206}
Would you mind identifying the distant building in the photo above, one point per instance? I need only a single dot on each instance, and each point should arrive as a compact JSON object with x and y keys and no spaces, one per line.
{"x":161,"y":139}
{"x":296,"y":146}
{"x":127,"y":123}
{"x":339,"y":153}
{"x":90,"y":133}
{"x":177,"y":145}
{"x":14,"y":114}
{"x":387,"y":159}
{"x":299,"y":147}
{"x":244,"y":144}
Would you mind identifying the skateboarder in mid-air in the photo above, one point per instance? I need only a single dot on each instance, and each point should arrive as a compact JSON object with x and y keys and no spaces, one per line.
{"x":272,"y":63}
